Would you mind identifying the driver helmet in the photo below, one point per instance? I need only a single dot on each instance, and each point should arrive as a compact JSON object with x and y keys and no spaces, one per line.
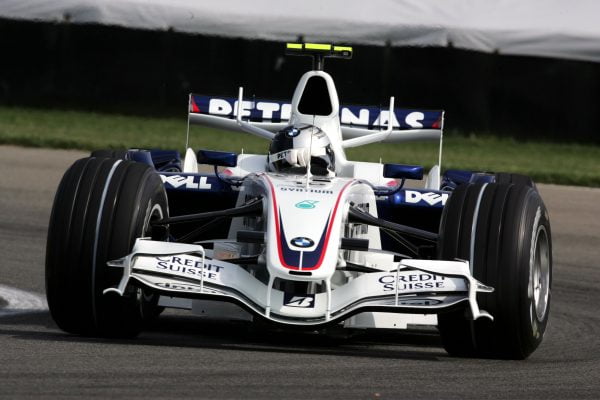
{"x":294,"y":147}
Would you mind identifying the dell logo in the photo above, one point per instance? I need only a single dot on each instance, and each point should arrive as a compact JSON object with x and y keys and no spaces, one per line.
{"x":301,"y":242}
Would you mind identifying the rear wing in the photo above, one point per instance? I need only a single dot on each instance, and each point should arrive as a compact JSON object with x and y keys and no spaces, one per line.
{"x":356,"y":121}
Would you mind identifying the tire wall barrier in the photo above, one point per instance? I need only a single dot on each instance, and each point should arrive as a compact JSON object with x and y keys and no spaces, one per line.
{"x":113,"y":69}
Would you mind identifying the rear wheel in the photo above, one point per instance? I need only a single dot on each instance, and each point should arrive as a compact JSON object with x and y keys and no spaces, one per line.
{"x":504,"y":231}
{"x":101,"y":206}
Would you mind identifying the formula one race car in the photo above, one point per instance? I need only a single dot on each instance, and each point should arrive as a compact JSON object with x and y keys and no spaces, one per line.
{"x":302,"y":236}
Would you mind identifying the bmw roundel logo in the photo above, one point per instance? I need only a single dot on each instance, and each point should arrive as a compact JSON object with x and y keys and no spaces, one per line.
{"x":293,"y":132}
{"x":302,"y":242}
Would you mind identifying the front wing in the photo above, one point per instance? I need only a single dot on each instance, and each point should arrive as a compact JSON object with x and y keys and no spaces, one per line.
{"x":412,"y":286}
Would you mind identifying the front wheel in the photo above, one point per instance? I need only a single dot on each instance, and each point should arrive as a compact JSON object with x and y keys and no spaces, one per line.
{"x":101,"y":206}
{"x":109,"y":153}
{"x":504,"y":231}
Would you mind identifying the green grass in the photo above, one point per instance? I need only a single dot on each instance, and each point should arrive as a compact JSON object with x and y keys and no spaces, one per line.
{"x":546,"y":162}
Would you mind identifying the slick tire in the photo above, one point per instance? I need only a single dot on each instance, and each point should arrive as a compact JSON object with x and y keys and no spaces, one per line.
{"x":511,"y":250}
{"x":101,"y":206}
{"x":107,"y":153}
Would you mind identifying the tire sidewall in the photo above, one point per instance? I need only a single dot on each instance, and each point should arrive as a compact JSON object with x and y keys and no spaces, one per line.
{"x":535,"y":218}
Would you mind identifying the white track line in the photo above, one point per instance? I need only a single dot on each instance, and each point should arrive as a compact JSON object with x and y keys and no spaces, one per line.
{"x":20,"y":301}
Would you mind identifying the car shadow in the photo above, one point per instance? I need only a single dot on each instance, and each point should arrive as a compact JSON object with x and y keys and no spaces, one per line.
{"x":194,"y":332}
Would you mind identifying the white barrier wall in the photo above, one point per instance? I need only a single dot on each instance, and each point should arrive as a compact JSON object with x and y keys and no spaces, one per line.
{"x":551,"y":28}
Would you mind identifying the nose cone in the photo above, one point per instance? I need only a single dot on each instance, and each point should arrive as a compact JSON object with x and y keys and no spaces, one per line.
{"x":304,"y":228}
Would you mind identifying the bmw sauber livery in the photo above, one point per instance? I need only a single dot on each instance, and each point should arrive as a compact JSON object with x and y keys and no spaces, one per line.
{"x":300,"y":236}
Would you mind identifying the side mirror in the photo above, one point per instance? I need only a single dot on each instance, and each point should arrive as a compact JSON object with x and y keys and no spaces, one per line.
{"x":402,"y":171}
{"x":217,"y":158}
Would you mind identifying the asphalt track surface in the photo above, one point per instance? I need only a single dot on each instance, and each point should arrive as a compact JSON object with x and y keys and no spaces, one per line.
{"x":183,"y":356}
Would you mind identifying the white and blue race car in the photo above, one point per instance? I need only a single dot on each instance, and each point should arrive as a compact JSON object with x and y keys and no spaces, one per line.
{"x":301,"y":236}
